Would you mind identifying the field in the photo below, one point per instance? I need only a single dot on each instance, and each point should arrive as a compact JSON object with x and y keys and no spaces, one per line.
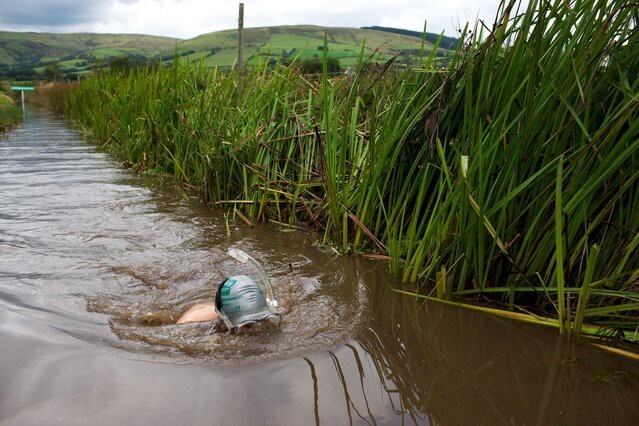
{"x":16,"y":48}
{"x":23,"y":56}
{"x":301,"y":42}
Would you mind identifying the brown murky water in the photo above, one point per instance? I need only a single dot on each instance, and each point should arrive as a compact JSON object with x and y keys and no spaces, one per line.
{"x":96,"y":264}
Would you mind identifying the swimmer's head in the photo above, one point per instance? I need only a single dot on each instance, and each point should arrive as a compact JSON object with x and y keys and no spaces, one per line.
{"x":239,"y":301}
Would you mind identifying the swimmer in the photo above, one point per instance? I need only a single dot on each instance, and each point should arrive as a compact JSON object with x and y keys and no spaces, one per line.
{"x":199,"y":313}
{"x":239,"y":302}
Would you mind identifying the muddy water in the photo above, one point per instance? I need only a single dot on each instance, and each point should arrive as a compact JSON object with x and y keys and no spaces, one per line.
{"x":96,"y":264}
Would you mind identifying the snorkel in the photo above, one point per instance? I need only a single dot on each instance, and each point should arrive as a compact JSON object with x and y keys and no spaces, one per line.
{"x":242,"y":257}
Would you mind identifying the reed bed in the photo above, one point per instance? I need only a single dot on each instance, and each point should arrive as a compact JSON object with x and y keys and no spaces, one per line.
{"x":512,"y":173}
{"x":51,"y":96}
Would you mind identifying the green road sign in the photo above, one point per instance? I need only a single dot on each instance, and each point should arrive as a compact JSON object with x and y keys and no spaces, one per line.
{"x":22,"y":88}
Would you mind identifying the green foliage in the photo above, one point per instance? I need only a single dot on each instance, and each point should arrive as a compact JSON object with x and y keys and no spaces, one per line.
{"x":52,"y":72}
{"x":498,"y":175}
{"x":316,"y":65}
{"x":10,"y":114}
{"x":19,"y":73}
{"x":126,"y":64}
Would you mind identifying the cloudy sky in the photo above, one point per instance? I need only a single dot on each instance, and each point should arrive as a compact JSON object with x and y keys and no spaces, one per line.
{"x":189,"y":18}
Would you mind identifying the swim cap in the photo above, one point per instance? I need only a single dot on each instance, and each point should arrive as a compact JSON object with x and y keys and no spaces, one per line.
{"x":239,"y":301}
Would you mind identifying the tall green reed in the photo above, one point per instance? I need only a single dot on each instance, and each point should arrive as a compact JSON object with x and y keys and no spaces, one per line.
{"x":545,"y":109}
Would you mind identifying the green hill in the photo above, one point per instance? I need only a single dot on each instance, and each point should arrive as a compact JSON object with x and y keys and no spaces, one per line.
{"x":24,"y":52}
{"x":303,"y":41}
{"x":16,"y":48}
{"x":445,"y":42}
{"x":24,"y":56}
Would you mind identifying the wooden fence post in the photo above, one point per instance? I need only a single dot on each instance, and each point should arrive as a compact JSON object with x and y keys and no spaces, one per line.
{"x":240,"y":28}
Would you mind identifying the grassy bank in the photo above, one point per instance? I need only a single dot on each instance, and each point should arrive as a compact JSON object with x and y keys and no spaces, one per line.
{"x":512,"y":173}
{"x":10,"y":113}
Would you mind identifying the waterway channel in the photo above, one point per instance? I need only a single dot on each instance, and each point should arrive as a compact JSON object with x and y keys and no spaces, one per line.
{"x":97,"y":263}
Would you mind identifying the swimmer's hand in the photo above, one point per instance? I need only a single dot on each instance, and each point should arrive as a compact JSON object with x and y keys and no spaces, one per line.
{"x":199,"y":313}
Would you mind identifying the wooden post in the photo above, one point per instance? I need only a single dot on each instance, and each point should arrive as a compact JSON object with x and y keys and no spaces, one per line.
{"x":240,"y":28}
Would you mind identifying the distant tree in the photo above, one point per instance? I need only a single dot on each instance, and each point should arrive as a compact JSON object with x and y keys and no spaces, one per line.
{"x":52,"y":72}
{"x":315,"y":65}
{"x":126,"y":64}
{"x":121,"y":64}
{"x":21,"y":73}
{"x":333,"y":65}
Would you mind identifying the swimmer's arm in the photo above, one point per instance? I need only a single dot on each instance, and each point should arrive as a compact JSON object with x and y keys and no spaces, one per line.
{"x":198,"y":313}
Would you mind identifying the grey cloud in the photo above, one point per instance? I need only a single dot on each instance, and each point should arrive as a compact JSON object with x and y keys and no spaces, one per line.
{"x":50,"y":13}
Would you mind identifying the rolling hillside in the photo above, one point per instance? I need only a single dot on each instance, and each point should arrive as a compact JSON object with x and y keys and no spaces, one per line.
{"x":303,"y":41}
{"x":25,"y":55}
{"x":33,"y":48}
{"x":28,"y":53}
